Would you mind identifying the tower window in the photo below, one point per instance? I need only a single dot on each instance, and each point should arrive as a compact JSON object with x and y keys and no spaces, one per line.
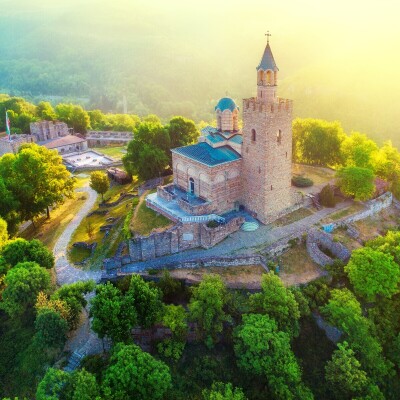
{"x":259,"y":170}
{"x":286,"y":154}
{"x":279,"y":136}
{"x":271,"y":187}
{"x":253,"y":135}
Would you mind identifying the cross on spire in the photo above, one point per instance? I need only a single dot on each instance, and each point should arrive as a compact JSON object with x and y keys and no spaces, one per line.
{"x":268,"y":35}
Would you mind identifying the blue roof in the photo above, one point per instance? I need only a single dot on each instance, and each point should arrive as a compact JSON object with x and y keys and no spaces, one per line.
{"x":209,"y":130}
{"x":226,"y":103}
{"x":205,"y":154}
{"x":215,"y":138}
{"x":267,"y":60}
{"x":236,"y":139}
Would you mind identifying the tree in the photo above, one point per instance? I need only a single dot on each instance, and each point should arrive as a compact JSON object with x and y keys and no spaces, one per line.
{"x":278,"y":302}
{"x":75,"y":116}
{"x":52,"y":385}
{"x":181,"y":131}
{"x":45,"y":111}
{"x":135,"y":374}
{"x":23,"y":283}
{"x":327,"y":196}
{"x":262,"y":349}
{"x":83,"y":386}
{"x":357,"y":182}
{"x":51,"y":328}
{"x":373,"y":273}
{"x":223,"y":391}
{"x":3,"y":232}
{"x":21,"y":250}
{"x":9,"y":205}
{"x":344,"y":373}
{"x":206,"y":307}
{"x":174,"y":318}
{"x":99,"y":182}
{"x":73,"y":296}
{"x":388,"y":244}
{"x":317,"y":142}
{"x":146,"y":301}
{"x":114,"y":314}
{"x":358,"y":150}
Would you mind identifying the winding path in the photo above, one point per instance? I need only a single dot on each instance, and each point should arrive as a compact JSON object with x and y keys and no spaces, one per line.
{"x":66,"y":273}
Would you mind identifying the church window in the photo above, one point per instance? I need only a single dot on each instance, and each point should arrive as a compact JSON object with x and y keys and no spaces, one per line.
{"x":279,"y":136}
{"x":191,"y":186}
{"x":253,"y":135}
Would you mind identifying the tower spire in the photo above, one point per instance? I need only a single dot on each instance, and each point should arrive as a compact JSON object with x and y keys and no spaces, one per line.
{"x":268,"y":35}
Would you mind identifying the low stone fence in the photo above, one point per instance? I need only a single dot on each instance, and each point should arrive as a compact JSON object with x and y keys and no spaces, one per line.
{"x":195,"y":209}
{"x":119,"y":265}
{"x":317,"y":239}
{"x":165,"y":194}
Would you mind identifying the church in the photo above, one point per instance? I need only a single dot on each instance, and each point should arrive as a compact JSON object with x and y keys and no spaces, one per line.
{"x":233,"y":169}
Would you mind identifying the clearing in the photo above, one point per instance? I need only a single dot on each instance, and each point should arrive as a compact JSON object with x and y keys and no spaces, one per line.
{"x":353,"y":209}
{"x":294,"y":216}
{"x":319,"y":175}
{"x":116,"y":152}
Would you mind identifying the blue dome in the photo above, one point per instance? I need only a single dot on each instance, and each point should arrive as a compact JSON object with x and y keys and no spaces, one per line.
{"x":226,"y":103}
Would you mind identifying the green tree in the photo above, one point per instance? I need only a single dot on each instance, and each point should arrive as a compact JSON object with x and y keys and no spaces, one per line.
{"x":21,"y":250}
{"x":388,"y":244}
{"x":51,"y":387}
{"x":45,"y":111}
{"x":114,"y":315}
{"x":3,"y":233}
{"x":51,"y":328}
{"x":344,"y":373}
{"x":75,"y":116}
{"x":317,"y":142}
{"x":83,"y":386}
{"x":223,"y":391}
{"x":357,"y":182}
{"x":207,"y":307}
{"x":148,"y":379}
{"x":262,"y":349}
{"x":327,"y":196}
{"x":9,"y":206}
{"x":181,"y":131}
{"x":358,"y":150}
{"x":22,"y":285}
{"x":373,"y":273}
{"x":99,"y":182}
{"x":146,"y":301}
{"x":278,"y":302}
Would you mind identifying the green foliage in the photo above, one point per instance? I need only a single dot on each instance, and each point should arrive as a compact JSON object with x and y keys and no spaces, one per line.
{"x":336,"y":270}
{"x":181,"y":132}
{"x":99,"y":182}
{"x":82,"y":385}
{"x":223,"y":391}
{"x":3,"y":232}
{"x":51,"y":328}
{"x":317,"y":293}
{"x":327,"y":196}
{"x":278,"y":302}
{"x":302,"y":181}
{"x":262,"y":349}
{"x":23,"y":283}
{"x":149,"y":379}
{"x":388,"y":244}
{"x":357,"y":182}
{"x":358,"y":150}
{"x":146,"y":301}
{"x":301,"y":301}
{"x":73,"y":295}
{"x":21,"y":250}
{"x":317,"y":142}
{"x":75,"y":116}
{"x":206,"y":307}
{"x":52,"y":385}
{"x":114,"y":315}
{"x":171,"y":288}
{"x":45,"y":111}
{"x":373,"y":273}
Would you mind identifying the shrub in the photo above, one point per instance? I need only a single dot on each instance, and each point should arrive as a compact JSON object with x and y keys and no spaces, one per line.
{"x":212,"y":224}
{"x":327,"y":196}
{"x":301,"y":181}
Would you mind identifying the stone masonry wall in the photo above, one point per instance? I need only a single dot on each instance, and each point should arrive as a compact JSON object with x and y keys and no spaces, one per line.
{"x":266,"y":165}
{"x":220,"y":185}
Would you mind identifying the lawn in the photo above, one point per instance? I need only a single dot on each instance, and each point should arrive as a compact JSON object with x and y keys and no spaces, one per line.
{"x":353,"y":209}
{"x":319,"y":175}
{"x":116,"y":152}
{"x":341,"y":236}
{"x":145,"y":220}
{"x":297,"y":267}
{"x":49,"y":230}
{"x":293,"y":217}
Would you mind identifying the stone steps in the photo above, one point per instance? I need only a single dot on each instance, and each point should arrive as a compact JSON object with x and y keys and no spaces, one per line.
{"x":250,"y":226}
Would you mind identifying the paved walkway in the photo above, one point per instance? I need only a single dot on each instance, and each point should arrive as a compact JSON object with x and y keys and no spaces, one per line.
{"x":66,"y":273}
{"x":242,"y":243}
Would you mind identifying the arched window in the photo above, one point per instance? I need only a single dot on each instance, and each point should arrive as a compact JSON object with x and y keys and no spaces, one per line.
{"x":279,"y":136}
{"x":191,"y":186}
{"x":253,"y":135}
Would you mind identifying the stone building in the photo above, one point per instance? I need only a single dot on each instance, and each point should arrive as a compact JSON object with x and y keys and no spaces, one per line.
{"x":13,"y":143}
{"x":231,"y":169}
{"x":46,"y":130}
{"x":66,"y":144}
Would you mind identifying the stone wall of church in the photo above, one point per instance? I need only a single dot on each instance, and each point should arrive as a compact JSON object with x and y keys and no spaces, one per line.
{"x":45,"y":130}
{"x":220,"y":185}
{"x":267,"y":157}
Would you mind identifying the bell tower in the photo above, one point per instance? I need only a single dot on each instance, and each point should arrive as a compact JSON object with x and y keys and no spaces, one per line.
{"x":267,"y":145}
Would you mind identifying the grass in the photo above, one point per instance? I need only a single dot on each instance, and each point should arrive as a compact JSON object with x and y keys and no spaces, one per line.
{"x":49,"y":230}
{"x":293,"y":217}
{"x":319,"y":175}
{"x":116,"y":152}
{"x":296,"y":266}
{"x":146,"y":220}
{"x":354,"y":208}
{"x":341,"y":236}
